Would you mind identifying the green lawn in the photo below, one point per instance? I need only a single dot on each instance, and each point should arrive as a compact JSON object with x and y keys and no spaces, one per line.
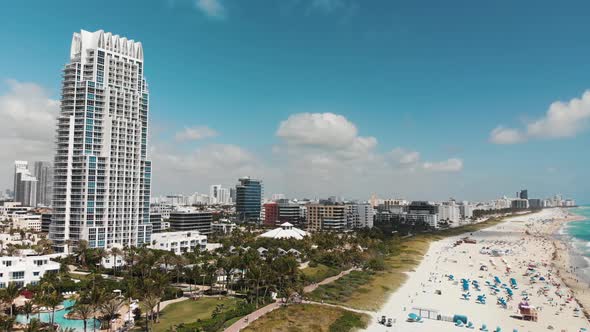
{"x":307,"y":317}
{"x":318,"y":273}
{"x":189,"y":311}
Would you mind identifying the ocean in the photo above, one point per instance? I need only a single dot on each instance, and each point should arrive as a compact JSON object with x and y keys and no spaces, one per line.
{"x":578,"y":234}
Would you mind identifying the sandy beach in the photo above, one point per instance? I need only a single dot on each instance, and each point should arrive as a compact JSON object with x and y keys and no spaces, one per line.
{"x":516,"y":267}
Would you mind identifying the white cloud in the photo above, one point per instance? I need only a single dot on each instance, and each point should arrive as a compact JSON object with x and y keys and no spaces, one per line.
{"x":211,"y":8}
{"x":405,"y":157}
{"x":27,"y":126}
{"x":326,"y":154}
{"x":562,"y":120}
{"x":195,"y":133}
{"x":449,"y":165}
{"x":182,"y":171}
{"x":318,"y":129}
{"x":501,"y":135}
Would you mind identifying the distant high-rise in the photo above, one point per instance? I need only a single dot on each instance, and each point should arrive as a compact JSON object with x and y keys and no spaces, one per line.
{"x":219,"y":195}
{"x":44,"y":175}
{"x":25,"y":184}
{"x":524,"y":194}
{"x":102,"y":175}
{"x":249,"y":199}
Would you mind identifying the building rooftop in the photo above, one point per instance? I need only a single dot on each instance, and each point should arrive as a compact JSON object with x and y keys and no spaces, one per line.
{"x":285,"y":231}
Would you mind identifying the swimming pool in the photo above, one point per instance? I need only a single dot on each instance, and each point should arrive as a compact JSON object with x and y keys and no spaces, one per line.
{"x":60,"y":318}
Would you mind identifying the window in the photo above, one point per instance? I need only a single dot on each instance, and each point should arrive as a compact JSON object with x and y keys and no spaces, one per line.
{"x":35,"y":274}
{"x":18,"y":275}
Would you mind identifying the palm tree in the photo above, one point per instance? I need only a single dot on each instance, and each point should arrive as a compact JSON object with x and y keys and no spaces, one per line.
{"x":149,"y":301}
{"x":10,"y":294}
{"x":52,"y":300}
{"x":28,"y":309}
{"x":6,"y":323}
{"x":96,"y":298}
{"x":110,"y":309}
{"x":11,"y":250}
{"x":158,"y":285}
{"x":115,"y":252}
{"x":33,"y":326}
{"x":39,"y":301}
{"x":81,"y":252}
{"x":84,"y":311}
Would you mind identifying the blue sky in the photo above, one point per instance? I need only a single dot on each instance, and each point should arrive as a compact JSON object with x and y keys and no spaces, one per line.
{"x":416,"y":87}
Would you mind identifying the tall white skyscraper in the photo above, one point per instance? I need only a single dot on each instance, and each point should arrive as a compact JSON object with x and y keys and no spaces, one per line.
{"x":102,"y":176}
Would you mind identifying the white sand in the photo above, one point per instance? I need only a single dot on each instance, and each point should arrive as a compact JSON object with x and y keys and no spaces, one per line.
{"x":463,"y":261}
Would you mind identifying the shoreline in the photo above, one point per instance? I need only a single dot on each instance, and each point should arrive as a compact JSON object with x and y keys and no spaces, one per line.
{"x":567,"y":261}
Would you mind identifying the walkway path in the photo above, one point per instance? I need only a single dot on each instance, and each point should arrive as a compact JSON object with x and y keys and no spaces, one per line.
{"x":245,"y":321}
{"x":312,"y":287}
{"x":164,"y":304}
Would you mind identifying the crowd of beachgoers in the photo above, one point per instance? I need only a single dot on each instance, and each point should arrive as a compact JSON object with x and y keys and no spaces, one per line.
{"x":503,"y":278}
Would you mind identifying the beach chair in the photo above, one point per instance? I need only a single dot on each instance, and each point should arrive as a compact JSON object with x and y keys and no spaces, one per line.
{"x":459,"y":323}
{"x":484,"y":328}
{"x":498,"y":329}
{"x":470,"y":325}
{"x":414,"y":318}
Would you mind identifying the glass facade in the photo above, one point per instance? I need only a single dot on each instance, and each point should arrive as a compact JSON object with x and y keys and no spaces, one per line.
{"x":249,"y":199}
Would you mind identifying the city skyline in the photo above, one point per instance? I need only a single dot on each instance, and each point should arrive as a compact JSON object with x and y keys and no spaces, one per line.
{"x":472,"y":120}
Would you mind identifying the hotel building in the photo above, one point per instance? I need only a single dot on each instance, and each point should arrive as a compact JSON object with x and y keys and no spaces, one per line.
{"x":102,"y":174}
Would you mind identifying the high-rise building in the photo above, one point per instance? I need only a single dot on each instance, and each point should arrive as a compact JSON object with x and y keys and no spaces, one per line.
{"x":249,"y":199}
{"x":271,"y":213}
{"x":213,"y":193}
{"x":44,"y":175}
{"x":523,"y":194}
{"x":219,"y":195}
{"x":360,"y":215}
{"x":102,"y":175}
{"x":25,"y":184}
{"x":328,"y":216}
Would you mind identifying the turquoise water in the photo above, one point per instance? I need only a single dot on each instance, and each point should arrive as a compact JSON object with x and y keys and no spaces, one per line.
{"x":60,"y":319}
{"x":579,"y":231}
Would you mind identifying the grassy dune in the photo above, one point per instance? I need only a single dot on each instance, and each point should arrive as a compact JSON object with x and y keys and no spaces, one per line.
{"x":308,"y":317}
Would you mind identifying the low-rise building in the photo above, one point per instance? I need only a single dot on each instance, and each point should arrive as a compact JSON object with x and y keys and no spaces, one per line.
{"x":223,"y":227}
{"x":26,"y":270}
{"x":189,"y":219}
{"x":156,"y":221}
{"x":179,"y":242}
{"x":27,"y":221}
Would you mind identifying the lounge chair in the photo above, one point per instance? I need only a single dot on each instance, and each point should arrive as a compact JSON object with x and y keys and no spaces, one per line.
{"x":414,"y":318}
{"x":459,"y":323}
{"x":498,"y":329}
{"x":484,"y":328}
{"x":470,"y":325}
